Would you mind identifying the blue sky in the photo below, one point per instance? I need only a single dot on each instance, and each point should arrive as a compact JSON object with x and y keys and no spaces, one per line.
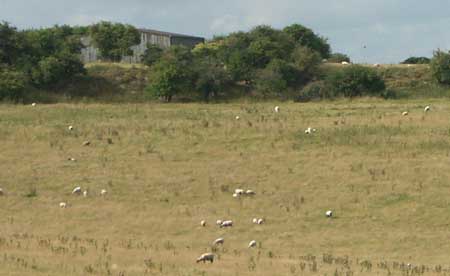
{"x":391,"y":30}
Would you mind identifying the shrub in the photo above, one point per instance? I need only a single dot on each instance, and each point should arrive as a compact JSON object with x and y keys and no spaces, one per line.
{"x":152,"y":54}
{"x":440,"y":66}
{"x":53,"y":70}
{"x":307,"y":63}
{"x":338,"y":58}
{"x":356,"y":80}
{"x":276,"y":77}
{"x":416,"y":60}
{"x":12,"y":84}
{"x":314,"y":91}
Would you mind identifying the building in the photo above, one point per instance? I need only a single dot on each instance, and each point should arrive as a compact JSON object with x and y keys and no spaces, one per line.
{"x":162,"y":39}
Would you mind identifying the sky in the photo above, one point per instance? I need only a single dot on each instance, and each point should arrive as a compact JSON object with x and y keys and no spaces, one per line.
{"x":369,"y":31}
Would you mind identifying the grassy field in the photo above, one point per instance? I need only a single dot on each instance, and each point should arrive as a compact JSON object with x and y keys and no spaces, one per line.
{"x":167,"y":167}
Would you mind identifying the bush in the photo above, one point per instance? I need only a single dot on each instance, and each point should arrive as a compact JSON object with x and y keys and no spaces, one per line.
{"x":356,"y":80}
{"x":314,"y":91}
{"x":440,"y":66}
{"x":338,"y":58}
{"x":54,"y":70}
{"x":307,"y":63}
{"x":12,"y":84}
{"x":152,"y":54}
{"x":416,"y":60}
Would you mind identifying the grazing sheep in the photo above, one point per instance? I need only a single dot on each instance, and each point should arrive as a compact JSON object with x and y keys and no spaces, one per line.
{"x":252,"y":244}
{"x":76,"y":191}
{"x":376,"y":65}
{"x":277,"y":109}
{"x":86,"y":143}
{"x":62,"y":205}
{"x":85,"y":193}
{"x":235,"y":195}
{"x":250,"y":192}
{"x":255,"y":220}
{"x":219,"y":222}
{"x":260,"y":221}
{"x":33,"y":104}
{"x":427,"y":108}
{"x":329,"y":214}
{"x":226,"y":223}
{"x":71,"y":159}
{"x":70,"y":127}
{"x":103,"y":192}
{"x":238,"y":118}
{"x":203,"y":223}
{"x":239,"y":191}
{"x":405,"y":113}
{"x":206,"y":257}
{"x":310,"y":130}
{"x":345,"y":63}
{"x":218,"y":241}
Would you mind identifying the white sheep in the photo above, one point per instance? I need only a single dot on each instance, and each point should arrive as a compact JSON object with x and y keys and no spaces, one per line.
{"x":219,"y":222}
{"x":103,"y":192}
{"x":427,"y":108}
{"x":345,"y":63}
{"x":310,"y":130}
{"x":238,"y":118}
{"x":206,"y":257}
{"x":260,"y":221}
{"x":239,"y":191}
{"x":226,"y":223}
{"x":62,"y":205}
{"x":72,"y":159}
{"x":218,"y":241}
{"x":33,"y":104}
{"x":255,"y":220}
{"x":376,"y":65}
{"x":277,"y":109}
{"x":86,"y":143}
{"x":250,"y":192}
{"x":252,"y":244}
{"x":235,"y":195}
{"x":203,"y":223}
{"x":329,"y":214}
{"x":70,"y":127}
{"x":76,"y":191}
{"x":405,"y":113}
{"x":85,"y":193}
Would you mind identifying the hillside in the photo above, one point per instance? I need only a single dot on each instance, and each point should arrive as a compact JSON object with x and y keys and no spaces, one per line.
{"x":167,"y":167}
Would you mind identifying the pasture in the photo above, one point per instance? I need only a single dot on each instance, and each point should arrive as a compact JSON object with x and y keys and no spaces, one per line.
{"x":167,"y":167}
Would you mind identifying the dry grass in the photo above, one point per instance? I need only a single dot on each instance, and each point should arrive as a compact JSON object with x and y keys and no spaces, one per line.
{"x":170,"y":166}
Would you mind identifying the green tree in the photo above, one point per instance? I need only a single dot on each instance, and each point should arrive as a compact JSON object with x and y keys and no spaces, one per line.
{"x":307,"y":62}
{"x":10,"y":44}
{"x":114,"y":39}
{"x":211,"y":77}
{"x":416,"y":60}
{"x":12,"y":84}
{"x":306,"y":37}
{"x":440,"y":66}
{"x":172,"y":74}
{"x":356,"y":80}
{"x":152,"y":54}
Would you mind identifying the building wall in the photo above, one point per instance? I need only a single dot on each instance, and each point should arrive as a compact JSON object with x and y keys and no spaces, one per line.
{"x":92,"y":54}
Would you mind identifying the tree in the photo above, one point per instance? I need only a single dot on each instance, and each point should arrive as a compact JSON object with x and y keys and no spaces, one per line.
{"x":12,"y":84}
{"x":172,"y":74}
{"x":307,"y":61}
{"x":10,"y":44}
{"x":416,"y":60}
{"x":152,"y":54}
{"x":114,"y":39}
{"x":211,"y":77}
{"x":306,"y":37}
{"x":440,"y":66}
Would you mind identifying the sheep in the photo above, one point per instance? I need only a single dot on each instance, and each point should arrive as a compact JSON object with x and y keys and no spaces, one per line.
{"x":235,"y":195}
{"x":277,"y":109}
{"x":70,"y":127}
{"x":71,"y":159}
{"x":206,"y":257}
{"x":255,"y":220}
{"x":252,"y":244}
{"x":405,"y":113}
{"x":226,"y":223}
{"x":310,"y":130}
{"x":85,"y":193}
{"x":250,"y":192}
{"x":218,"y":222}
{"x":260,"y":221}
{"x":427,"y":108}
{"x":218,"y":241}
{"x":345,"y":63}
{"x":376,"y":65}
{"x":33,"y":104}
{"x":1,"y":192}
{"x":239,"y":191}
{"x":238,"y":118}
{"x":86,"y":143}
{"x":329,"y":214}
{"x":62,"y":205}
{"x":76,"y":191}
{"x":103,"y":192}
{"x":203,"y":223}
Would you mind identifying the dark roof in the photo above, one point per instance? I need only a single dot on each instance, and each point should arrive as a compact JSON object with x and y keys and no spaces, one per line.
{"x":168,"y":34}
